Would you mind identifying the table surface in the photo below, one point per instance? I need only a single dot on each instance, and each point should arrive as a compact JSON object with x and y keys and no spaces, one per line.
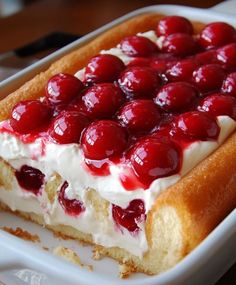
{"x":40,"y":18}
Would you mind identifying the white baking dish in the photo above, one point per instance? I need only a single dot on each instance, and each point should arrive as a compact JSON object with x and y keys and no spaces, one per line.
{"x":26,"y":263}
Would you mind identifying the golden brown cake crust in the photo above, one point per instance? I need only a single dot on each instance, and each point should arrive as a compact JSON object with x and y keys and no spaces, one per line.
{"x":193,"y":206}
{"x":77,"y":59}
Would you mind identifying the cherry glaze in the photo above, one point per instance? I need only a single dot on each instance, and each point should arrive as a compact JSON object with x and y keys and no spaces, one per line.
{"x":101,"y":101}
{"x":152,"y":159}
{"x":30,"y":179}
{"x":179,"y":44}
{"x":182,"y":70}
{"x":208,"y":77}
{"x":176,"y":96}
{"x":217,"y":34}
{"x":130,"y":216}
{"x":138,"y":46}
{"x":197,"y":125}
{"x":139,"y":116}
{"x":103,"y":68}
{"x":139,"y":82}
{"x":174,"y":24}
{"x":219,"y":105}
{"x":67,"y":127}
{"x":62,"y":88}
{"x":71,"y":207}
{"x":227,"y":56}
{"x":103,"y":139}
{"x":29,"y":115}
{"x":229,"y":84}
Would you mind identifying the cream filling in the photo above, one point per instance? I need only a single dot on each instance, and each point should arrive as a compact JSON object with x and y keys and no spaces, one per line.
{"x":67,"y":161}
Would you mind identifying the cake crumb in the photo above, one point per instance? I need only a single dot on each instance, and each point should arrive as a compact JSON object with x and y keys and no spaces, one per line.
{"x":18,"y":232}
{"x":97,"y":252}
{"x":61,"y":236}
{"x":124,"y":271}
{"x":45,"y":248}
{"x":71,"y":256}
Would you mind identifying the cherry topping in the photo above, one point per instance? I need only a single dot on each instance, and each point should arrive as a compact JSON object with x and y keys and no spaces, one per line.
{"x":172,"y":25}
{"x":179,"y":44}
{"x":139,"y":81}
{"x":219,"y":105}
{"x":208,"y":77}
{"x":30,"y":179}
{"x":139,"y":116}
{"x":103,"y":139}
{"x":103,"y":68}
{"x":67,"y":127}
{"x":138,"y":46}
{"x":197,"y":125}
{"x":217,"y":34}
{"x":227,"y":56}
{"x":130,"y":216}
{"x":229,"y":84}
{"x":72,"y":207}
{"x":152,"y":159}
{"x":102,"y":100}
{"x":62,"y":88}
{"x":176,"y":96}
{"x":206,"y":57}
{"x":182,"y":70}
{"x":139,"y":61}
{"x":29,"y":115}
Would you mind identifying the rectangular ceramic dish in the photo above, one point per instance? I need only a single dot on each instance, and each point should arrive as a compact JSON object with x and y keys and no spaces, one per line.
{"x":27,"y":263}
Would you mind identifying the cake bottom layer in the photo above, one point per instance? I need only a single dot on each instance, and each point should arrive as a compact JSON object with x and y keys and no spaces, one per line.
{"x":156,"y":260}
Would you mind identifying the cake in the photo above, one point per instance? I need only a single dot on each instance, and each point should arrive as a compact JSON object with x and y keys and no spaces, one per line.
{"x":127,"y":143}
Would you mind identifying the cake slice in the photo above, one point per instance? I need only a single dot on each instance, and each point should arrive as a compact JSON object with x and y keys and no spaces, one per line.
{"x":128,"y":142}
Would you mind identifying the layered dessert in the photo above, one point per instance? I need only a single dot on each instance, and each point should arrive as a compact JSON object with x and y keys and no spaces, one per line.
{"x":128,"y":142}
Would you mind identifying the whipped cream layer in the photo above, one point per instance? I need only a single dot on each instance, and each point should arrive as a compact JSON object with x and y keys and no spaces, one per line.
{"x":68,"y":160}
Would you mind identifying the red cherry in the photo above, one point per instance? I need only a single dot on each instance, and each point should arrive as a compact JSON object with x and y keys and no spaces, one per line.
{"x":72,"y":207}
{"x":102,"y":100}
{"x":31,"y":179}
{"x":179,"y":44}
{"x":227,"y":56}
{"x":206,"y":57}
{"x":219,"y":105}
{"x":174,"y":24}
{"x":103,"y":139}
{"x":182,"y":70}
{"x":62,"y":88}
{"x":229,"y":84}
{"x":130,"y":216}
{"x":197,"y":125}
{"x":138,"y":46}
{"x":217,"y":34}
{"x":208,"y":77}
{"x":103,"y":68}
{"x":152,"y":159}
{"x":139,"y":81}
{"x":162,"y":64}
{"x":139,"y":116}
{"x":67,"y":127}
{"x":139,"y":61}
{"x":29,"y":115}
{"x":176,"y":96}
